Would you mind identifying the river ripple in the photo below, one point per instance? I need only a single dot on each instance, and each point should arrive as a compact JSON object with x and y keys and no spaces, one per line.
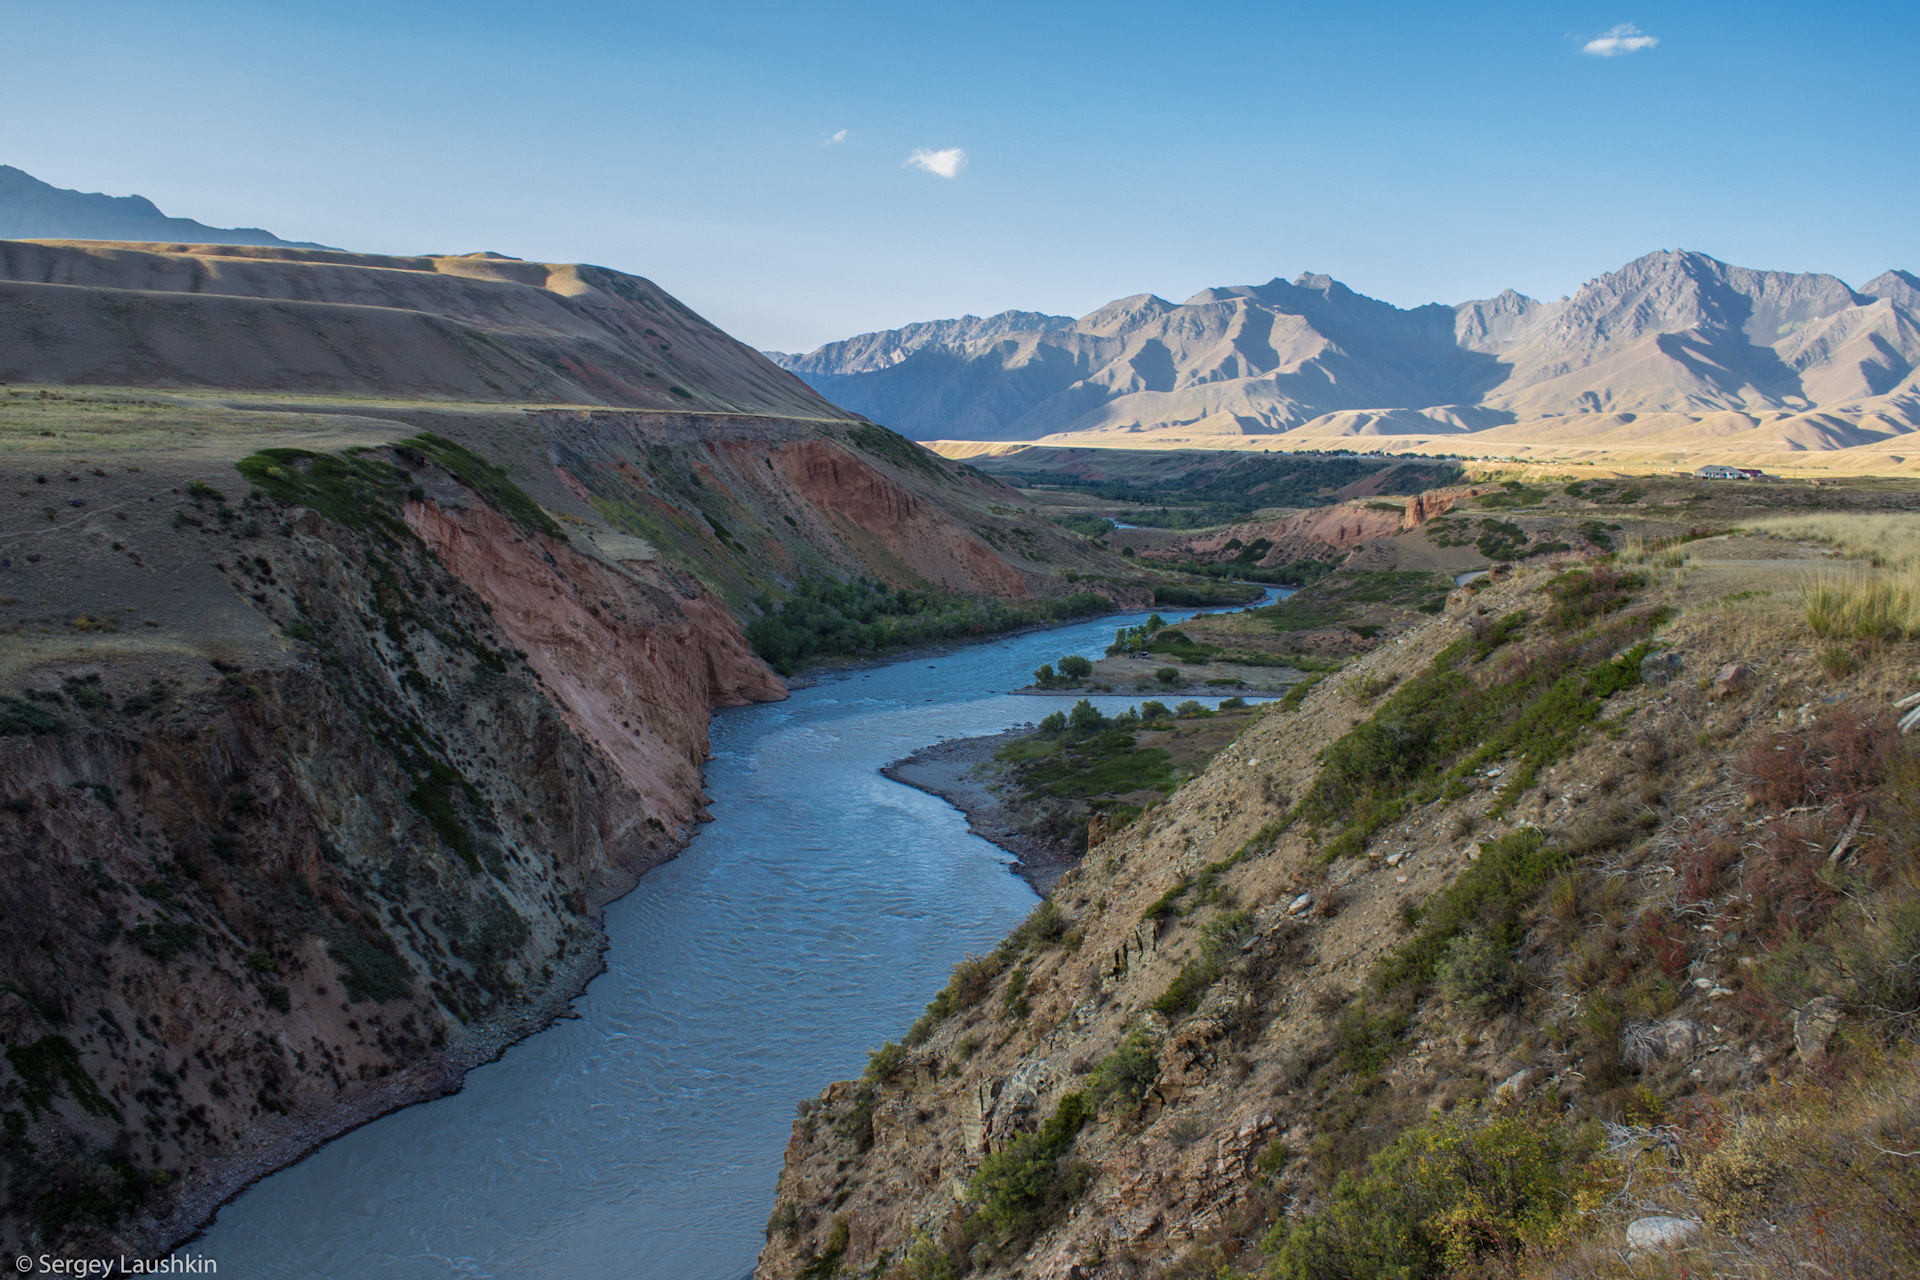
{"x":809,"y":922}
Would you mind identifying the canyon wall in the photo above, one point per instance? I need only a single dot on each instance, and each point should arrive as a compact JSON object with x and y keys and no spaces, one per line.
{"x":249,"y":909}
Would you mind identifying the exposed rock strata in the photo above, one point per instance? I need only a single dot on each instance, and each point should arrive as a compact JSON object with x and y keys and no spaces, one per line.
{"x":245,"y":914}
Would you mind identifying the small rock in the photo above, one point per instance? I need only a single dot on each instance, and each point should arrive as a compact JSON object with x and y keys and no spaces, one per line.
{"x":1705,"y":984}
{"x":1395,"y":859}
{"x":1732,"y":678}
{"x":1681,"y":1037}
{"x":1300,"y":904}
{"x":1813,"y":1026}
{"x":1661,"y":1233}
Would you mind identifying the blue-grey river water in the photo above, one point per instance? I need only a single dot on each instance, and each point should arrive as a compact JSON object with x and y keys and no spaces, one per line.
{"x":809,"y":922}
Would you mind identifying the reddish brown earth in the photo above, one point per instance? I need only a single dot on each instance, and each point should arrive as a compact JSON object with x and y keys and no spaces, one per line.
{"x":633,"y":658}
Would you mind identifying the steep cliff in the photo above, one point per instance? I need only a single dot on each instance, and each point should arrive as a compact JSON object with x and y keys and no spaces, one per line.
{"x":254,"y":902}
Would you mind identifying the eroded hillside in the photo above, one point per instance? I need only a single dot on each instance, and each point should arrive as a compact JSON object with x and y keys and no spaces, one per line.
{"x":1521,"y":932}
{"x":478,"y":328}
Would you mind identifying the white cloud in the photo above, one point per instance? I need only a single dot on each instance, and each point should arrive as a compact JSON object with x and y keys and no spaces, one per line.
{"x":942,"y":164}
{"x":1623,"y":39}
{"x":836,"y":139}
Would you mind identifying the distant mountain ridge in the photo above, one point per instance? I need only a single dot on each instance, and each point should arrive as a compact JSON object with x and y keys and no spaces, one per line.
{"x":866,"y":352}
{"x":34,"y":210}
{"x":1673,"y":332}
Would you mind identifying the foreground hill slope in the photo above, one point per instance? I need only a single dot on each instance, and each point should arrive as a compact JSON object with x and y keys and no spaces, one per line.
{"x":476,"y":328}
{"x":1588,"y":902}
{"x":1795,"y":361}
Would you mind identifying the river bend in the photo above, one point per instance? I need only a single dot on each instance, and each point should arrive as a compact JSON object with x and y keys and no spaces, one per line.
{"x":809,"y":922}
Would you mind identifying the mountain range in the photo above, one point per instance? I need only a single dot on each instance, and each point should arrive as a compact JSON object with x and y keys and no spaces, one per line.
{"x":34,"y":210}
{"x":1669,"y":344}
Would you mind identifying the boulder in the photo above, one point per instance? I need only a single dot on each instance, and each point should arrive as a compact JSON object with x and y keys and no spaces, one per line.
{"x":1645,"y":1043}
{"x":1813,"y":1026}
{"x":1515,"y":1086}
{"x":1661,"y":1233}
{"x":1731,"y":679}
{"x":1659,"y":668}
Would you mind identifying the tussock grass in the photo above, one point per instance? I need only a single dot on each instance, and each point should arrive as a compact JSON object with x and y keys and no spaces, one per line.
{"x":1864,"y":604}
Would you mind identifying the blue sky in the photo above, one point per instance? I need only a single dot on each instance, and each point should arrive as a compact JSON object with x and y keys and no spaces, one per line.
{"x":1418,"y":152}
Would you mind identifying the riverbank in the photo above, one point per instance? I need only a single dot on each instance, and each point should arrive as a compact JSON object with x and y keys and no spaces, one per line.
{"x":955,"y":771}
{"x":295,"y":1138}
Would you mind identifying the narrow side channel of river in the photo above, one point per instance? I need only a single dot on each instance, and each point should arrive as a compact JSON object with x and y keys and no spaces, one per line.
{"x":809,"y":922}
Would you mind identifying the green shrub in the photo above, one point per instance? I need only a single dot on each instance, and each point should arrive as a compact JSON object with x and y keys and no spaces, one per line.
{"x":1154,"y":710}
{"x":18,"y":719}
{"x":49,"y":1065}
{"x":1297,"y":693}
{"x":826,"y":616}
{"x":1366,"y":1041}
{"x":1025,"y":1184}
{"x":1129,"y":1071}
{"x":1487,"y":898}
{"x":1460,"y":1195}
{"x":971,"y":980}
{"x":489,"y":481}
{"x":1043,"y":675}
{"x":1085,"y":718}
{"x":1167,"y":675}
{"x":369,"y":971}
{"x":348,"y":489}
{"x":885,"y":1063}
{"x":1054,"y":722}
{"x":1477,"y":972}
{"x":1044,"y":926}
{"x":1075,"y":667}
{"x":1220,"y":941}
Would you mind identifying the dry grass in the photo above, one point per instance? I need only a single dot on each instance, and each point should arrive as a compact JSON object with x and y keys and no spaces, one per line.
{"x":1883,"y":539}
{"x":1878,"y":600}
{"x":1813,"y":1180}
{"x":1658,"y":553}
{"x":1865,"y":604}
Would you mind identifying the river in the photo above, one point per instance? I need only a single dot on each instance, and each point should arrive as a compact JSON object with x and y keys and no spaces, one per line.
{"x":808,"y":923}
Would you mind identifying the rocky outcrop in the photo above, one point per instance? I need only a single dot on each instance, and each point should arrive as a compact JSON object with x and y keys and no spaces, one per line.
{"x":751,"y":505}
{"x":1432,"y":504}
{"x":1318,"y":533}
{"x":633,"y":659}
{"x":865,"y":504}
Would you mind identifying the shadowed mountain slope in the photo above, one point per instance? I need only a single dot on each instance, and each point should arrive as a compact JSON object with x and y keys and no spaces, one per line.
{"x":479,"y":327}
{"x":32,"y":209}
